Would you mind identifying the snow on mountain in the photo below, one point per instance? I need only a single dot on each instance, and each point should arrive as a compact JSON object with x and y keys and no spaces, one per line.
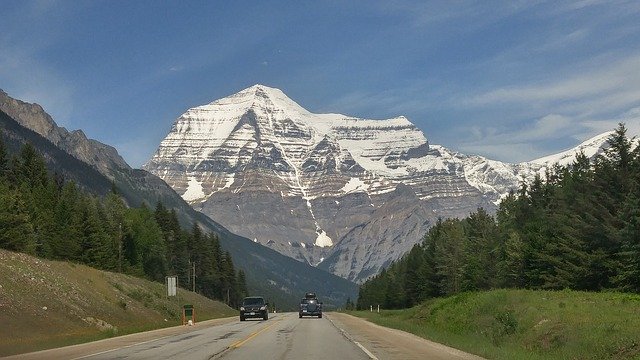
{"x":340,"y":192}
{"x":592,"y":147}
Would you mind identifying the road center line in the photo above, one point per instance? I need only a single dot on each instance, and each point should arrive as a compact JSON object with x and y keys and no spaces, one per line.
{"x":239,"y":343}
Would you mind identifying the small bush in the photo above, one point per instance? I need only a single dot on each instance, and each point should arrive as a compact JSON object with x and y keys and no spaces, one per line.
{"x":505,"y":324}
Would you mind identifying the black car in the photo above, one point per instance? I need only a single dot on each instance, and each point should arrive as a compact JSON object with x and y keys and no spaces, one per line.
{"x":254,"y":307}
{"x":310,"y":306}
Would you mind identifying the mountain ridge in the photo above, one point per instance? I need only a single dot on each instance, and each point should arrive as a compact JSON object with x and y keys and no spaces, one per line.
{"x":324,"y":179}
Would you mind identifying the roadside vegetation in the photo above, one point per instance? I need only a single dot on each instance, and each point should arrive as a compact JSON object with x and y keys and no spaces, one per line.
{"x":577,"y":229}
{"x":46,"y":304}
{"x":44,"y":215}
{"x":567,"y":248}
{"x":526,"y":324}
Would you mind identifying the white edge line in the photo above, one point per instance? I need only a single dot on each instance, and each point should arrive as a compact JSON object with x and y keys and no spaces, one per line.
{"x":346,"y":335}
{"x":371,"y":356}
{"x":120,"y":348}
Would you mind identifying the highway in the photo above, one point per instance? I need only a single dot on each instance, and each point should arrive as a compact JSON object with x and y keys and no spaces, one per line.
{"x":283,"y":336}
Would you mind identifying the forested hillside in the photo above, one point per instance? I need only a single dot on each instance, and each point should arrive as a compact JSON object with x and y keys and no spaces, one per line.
{"x":44,"y":215}
{"x":577,"y":228}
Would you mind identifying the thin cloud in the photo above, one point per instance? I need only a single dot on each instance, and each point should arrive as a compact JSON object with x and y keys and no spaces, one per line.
{"x":622,"y":79}
{"x":530,"y":142}
{"x":547,"y":127}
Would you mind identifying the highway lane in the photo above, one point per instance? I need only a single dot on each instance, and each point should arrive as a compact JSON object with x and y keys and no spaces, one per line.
{"x":283,"y":336}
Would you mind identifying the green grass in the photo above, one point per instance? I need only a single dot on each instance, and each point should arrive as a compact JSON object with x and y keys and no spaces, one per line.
{"x":45,"y":304}
{"x":523,"y":324}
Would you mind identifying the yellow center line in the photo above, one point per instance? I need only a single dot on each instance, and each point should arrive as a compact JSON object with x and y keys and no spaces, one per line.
{"x":239,"y":343}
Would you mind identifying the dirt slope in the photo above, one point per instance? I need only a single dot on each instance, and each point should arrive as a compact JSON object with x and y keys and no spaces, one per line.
{"x":46,"y":304}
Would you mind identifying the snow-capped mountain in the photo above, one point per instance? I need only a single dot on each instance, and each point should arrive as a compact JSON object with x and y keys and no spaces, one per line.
{"x":349,"y":195}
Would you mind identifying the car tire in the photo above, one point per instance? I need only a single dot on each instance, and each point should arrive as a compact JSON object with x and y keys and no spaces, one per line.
{"x":265,"y":317}
{"x":300,"y":316}
{"x":241,"y":318}
{"x":319,"y":316}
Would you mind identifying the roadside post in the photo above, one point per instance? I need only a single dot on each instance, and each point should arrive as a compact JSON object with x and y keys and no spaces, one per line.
{"x":188,"y":314}
{"x":172,"y":285}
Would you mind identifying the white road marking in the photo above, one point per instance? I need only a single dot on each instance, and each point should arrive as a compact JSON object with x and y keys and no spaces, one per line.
{"x":346,"y":335}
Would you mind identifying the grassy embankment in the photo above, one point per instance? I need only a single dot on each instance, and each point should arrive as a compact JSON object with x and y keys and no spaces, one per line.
{"x":522,"y":324}
{"x":46,"y":304}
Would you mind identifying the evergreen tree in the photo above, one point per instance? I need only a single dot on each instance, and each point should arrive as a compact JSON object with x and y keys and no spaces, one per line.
{"x":16,"y":230}
{"x":66,"y":240}
{"x":411,"y":276}
{"x":629,"y":276}
{"x":42,"y":214}
{"x":480,"y":271}
{"x":97,"y":248}
{"x":121,"y":243}
{"x":242,"y":284}
{"x":149,"y":243}
{"x":32,"y":169}
{"x":394,"y":293}
{"x":450,"y":257}
{"x":4,"y":157}
{"x":349,"y":305}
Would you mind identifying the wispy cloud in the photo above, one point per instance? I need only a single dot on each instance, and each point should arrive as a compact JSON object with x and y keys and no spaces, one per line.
{"x":434,"y":13}
{"x":593,"y":88}
{"x":548,"y":127}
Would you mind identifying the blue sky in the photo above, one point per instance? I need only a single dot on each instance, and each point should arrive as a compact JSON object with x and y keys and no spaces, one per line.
{"x":510,"y":80}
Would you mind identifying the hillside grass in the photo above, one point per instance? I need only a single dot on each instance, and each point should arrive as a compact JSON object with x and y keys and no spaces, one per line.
{"x":524,"y":324}
{"x":46,"y":304}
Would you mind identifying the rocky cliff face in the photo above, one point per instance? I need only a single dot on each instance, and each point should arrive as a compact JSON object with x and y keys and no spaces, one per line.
{"x":103,"y":157}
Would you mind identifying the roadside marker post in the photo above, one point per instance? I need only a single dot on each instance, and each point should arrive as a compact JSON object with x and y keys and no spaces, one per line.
{"x":188,"y":314}
{"x":172,"y":285}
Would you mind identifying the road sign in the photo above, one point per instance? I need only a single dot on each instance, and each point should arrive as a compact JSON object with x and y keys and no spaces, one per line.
{"x":172,"y":285}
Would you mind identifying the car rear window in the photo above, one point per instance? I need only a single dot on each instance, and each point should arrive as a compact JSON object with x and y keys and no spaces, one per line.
{"x":253,"y":301}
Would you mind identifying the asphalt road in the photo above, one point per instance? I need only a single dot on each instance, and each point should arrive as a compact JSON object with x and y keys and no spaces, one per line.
{"x":283,"y":336}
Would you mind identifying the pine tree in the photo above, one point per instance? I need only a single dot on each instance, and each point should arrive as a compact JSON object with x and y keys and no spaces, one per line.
{"x":450,"y":257}
{"x":121,"y":243}
{"x":481,"y":252}
{"x":66,"y":240}
{"x":16,"y":230}
{"x":32,"y":167}
{"x":97,"y":246}
{"x":393,"y":296}
{"x":349,"y":305}
{"x":241,"y":283}
{"x":4,"y":157}
{"x":149,"y":243}
{"x":411,"y":276}
{"x":629,"y":276}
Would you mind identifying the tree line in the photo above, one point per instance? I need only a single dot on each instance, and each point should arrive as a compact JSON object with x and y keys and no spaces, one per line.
{"x":578,"y":228}
{"x":41,"y":214}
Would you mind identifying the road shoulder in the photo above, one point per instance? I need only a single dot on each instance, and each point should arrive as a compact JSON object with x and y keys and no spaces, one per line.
{"x":86,"y":349}
{"x":387,"y":343}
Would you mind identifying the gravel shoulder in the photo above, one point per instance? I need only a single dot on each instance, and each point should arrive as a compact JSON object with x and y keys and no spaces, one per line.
{"x":387,"y":343}
{"x":83,"y":350}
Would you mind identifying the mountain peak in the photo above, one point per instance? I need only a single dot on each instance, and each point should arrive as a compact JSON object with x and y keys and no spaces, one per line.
{"x":257,"y":97}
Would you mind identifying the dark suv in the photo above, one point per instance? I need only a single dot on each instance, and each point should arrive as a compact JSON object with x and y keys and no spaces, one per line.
{"x":254,"y":307}
{"x":310,"y":306}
